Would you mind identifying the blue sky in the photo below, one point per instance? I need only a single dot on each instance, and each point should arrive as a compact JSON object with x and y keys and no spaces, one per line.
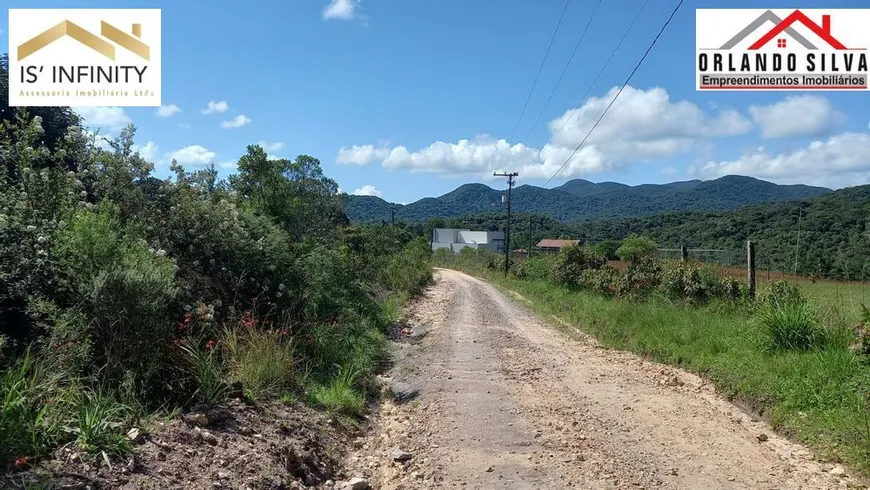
{"x":413,"y":98}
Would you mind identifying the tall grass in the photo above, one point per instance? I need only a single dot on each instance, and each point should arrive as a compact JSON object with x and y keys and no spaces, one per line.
{"x":790,"y":324}
{"x":29,"y":416}
{"x":262,"y":360}
{"x":207,"y":372}
{"x":338,"y":395}
{"x":40,"y":409}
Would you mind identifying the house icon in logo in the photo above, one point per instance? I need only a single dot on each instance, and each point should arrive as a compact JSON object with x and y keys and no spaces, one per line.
{"x":98,"y":44}
{"x":823,"y":31}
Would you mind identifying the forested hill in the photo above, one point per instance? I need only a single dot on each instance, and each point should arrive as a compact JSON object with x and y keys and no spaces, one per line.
{"x":581,"y":200}
{"x":826,"y":236}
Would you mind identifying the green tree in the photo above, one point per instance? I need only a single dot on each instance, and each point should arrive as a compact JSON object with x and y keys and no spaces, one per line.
{"x":295,"y":193}
{"x":635,"y":247}
{"x":607,"y":249}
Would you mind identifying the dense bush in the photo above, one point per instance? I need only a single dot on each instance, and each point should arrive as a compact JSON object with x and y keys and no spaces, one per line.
{"x":121,"y":293}
{"x":572,"y":262}
{"x":642,"y":277}
{"x":697,"y":283}
{"x":537,"y":268}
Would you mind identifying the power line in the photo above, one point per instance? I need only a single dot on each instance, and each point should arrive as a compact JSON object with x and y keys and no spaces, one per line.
{"x":645,"y":54}
{"x":606,"y":63}
{"x":565,"y":70}
{"x":540,"y":69}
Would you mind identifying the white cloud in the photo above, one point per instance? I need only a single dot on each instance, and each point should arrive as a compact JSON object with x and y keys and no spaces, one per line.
{"x":797,"y":115}
{"x":341,"y":191}
{"x":641,"y":125}
{"x":340,"y":9}
{"x":481,"y":155}
{"x":367,"y":190}
{"x":148,"y":151}
{"x":361,"y":154}
{"x":109,"y":118}
{"x":168,"y":110}
{"x":236,"y":122}
{"x":195,"y":155}
{"x":841,"y":160}
{"x":271,"y":147}
{"x":216,"y":107}
{"x":229,"y":165}
{"x":184,"y":126}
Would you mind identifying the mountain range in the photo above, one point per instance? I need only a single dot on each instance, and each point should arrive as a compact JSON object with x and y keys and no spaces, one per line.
{"x":581,"y":200}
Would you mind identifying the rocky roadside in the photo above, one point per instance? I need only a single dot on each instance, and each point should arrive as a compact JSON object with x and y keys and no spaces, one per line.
{"x":239,"y":445}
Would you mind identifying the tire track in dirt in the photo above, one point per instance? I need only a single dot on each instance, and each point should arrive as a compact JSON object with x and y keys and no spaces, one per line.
{"x":493,"y":397}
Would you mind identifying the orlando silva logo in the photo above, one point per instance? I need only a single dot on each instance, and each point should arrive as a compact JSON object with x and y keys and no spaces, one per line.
{"x":84,"y":57}
{"x":803,"y":49}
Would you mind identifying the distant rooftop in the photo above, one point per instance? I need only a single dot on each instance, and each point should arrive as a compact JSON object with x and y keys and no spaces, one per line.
{"x":549,"y":243}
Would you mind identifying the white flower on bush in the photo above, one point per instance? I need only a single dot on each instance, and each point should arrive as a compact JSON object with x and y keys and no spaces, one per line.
{"x":83,"y":193}
{"x":161,"y":253}
{"x":30,"y":228}
{"x":40,"y":239}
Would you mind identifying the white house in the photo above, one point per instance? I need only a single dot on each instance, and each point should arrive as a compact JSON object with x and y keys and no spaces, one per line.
{"x":456,"y":239}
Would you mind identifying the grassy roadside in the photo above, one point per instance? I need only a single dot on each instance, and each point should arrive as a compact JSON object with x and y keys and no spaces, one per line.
{"x":817,"y":397}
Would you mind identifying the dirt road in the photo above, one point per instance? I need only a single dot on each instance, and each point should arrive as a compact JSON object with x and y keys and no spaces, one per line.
{"x":494,"y":397}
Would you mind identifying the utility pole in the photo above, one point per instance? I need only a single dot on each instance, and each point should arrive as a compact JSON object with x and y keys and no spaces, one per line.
{"x":507,"y":229}
{"x":750,"y":267}
{"x":529,"y":251}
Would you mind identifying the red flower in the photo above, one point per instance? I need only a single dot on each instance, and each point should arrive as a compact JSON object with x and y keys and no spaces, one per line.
{"x":210,"y":344}
{"x":21,"y":461}
{"x":186,"y":322}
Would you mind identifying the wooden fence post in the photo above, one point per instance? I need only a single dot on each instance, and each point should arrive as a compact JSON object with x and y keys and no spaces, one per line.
{"x":684,"y":253}
{"x":750,"y":267}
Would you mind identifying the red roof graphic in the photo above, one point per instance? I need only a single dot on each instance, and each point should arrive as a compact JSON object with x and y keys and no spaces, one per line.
{"x":823,"y":31}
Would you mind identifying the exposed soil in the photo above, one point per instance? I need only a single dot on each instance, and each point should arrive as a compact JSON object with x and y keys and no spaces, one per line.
{"x":237,"y":446}
{"x":493,"y":397}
